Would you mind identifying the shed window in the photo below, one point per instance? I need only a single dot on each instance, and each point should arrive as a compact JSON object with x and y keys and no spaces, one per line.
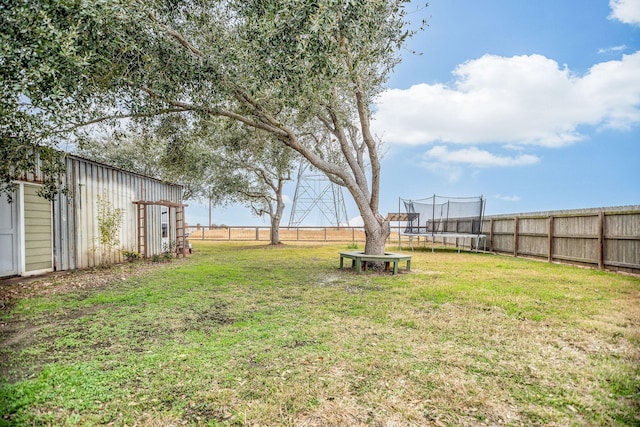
{"x":164,"y":221}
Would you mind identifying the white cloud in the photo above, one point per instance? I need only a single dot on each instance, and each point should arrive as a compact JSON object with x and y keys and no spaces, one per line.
{"x":614,"y":87}
{"x":507,"y":198}
{"x":453,"y":164}
{"x":518,"y":100}
{"x":613,"y":49}
{"x":452,"y":173}
{"x":626,"y":11}
{"x":475,"y":157}
{"x":356,"y":221}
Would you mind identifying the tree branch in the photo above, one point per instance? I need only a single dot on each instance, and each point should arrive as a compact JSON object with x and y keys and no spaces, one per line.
{"x":354,"y":163}
{"x":176,"y":35}
{"x":374,"y":160}
{"x":218,"y":112}
{"x":123,"y":116}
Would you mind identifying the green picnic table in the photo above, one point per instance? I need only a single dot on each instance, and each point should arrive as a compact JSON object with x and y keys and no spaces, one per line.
{"x":360,"y":260}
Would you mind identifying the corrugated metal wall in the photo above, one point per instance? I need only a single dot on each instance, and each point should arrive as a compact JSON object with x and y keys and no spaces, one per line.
{"x":75,"y":216}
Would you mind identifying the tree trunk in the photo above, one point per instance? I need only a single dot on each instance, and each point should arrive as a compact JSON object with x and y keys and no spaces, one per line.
{"x":275,"y":231}
{"x":376,"y":235}
{"x":275,"y":218}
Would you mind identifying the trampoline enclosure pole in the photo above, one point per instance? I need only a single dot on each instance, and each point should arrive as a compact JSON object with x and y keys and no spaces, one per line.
{"x":399,"y":244}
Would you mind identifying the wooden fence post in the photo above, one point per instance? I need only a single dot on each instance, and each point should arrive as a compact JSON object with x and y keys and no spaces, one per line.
{"x":515,"y":236}
{"x":550,"y":236}
{"x":601,"y":240}
{"x":491,"y":235}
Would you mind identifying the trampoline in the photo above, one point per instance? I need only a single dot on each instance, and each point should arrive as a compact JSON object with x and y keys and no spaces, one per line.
{"x":439,"y":218}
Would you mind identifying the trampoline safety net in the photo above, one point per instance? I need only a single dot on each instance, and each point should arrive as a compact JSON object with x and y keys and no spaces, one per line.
{"x":443,"y":215}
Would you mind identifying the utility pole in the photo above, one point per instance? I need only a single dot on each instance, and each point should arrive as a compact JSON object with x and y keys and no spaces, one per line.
{"x":210,"y":212}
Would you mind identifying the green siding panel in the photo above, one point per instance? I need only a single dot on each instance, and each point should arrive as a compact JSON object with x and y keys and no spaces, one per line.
{"x":40,"y":212}
{"x":38,"y":216}
{"x":35,"y":208}
{"x":43,"y":228}
{"x":38,"y":248}
{"x":35,"y":266}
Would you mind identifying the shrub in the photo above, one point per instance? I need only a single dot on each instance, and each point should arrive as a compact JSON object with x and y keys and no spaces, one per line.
{"x":109,"y":222}
{"x":168,"y":250}
{"x":131,"y":256}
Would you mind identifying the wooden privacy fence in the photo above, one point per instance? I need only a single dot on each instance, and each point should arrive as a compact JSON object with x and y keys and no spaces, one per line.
{"x":607,"y":238}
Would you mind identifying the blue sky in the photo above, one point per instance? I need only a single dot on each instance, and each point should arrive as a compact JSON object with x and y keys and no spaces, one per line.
{"x":535,"y":105}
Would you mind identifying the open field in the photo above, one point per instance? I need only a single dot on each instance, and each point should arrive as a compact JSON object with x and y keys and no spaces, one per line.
{"x":248,"y":334}
{"x":304,"y":234}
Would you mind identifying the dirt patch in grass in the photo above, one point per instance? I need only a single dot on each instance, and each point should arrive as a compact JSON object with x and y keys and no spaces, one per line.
{"x":73,"y":281}
{"x":17,"y":334}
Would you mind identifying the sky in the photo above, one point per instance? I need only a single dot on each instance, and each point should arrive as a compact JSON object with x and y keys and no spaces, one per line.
{"x":533,"y":105}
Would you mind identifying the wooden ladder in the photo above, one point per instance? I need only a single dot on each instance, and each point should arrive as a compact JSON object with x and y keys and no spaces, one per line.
{"x":180,"y":236}
{"x":142,"y":226}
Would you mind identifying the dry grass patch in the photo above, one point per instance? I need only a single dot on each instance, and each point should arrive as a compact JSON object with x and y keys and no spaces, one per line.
{"x":297,"y":235}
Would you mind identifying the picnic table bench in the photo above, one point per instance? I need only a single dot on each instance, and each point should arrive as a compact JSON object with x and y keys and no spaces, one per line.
{"x":360,"y":260}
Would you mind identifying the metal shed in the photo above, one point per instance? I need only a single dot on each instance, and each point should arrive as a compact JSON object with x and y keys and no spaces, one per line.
{"x":38,"y":236}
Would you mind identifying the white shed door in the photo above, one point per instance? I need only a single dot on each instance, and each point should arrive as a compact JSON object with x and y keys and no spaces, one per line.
{"x":9,"y":249}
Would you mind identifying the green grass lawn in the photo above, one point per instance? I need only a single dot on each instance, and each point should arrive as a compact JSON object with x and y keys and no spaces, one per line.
{"x":245,"y":334}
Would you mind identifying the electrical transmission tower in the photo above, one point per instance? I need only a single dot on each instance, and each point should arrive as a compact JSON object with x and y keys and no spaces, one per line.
{"x":315,"y":193}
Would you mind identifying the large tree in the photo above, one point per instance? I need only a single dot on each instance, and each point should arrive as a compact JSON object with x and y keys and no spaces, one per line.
{"x":252,"y":168}
{"x":305,"y":71}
